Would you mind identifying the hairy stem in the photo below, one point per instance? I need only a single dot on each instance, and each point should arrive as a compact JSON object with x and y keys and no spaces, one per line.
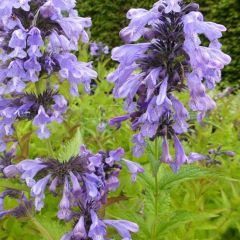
{"x":50,"y":149}
{"x":41,"y":229}
{"x":156,"y":195}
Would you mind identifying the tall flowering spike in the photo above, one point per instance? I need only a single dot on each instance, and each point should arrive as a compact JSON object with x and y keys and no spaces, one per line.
{"x":39,"y":39}
{"x":83,"y":182}
{"x":27,"y":25}
{"x":169,"y":59}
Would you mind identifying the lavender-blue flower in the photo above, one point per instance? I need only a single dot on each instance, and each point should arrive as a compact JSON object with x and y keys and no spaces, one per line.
{"x":84,"y":182}
{"x":171,"y":60}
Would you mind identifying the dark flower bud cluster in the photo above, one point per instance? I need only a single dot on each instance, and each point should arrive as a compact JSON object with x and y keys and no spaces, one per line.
{"x":38,"y":39}
{"x":172,"y":60}
{"x":212,"y":158}
{"x":7,"y":157}
{"x":98,"y":49}
{"x":84,"y":183}
{"x":42,"y":109}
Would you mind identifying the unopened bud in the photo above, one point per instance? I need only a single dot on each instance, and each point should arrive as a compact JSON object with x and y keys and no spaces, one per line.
{"x":10,"y":171}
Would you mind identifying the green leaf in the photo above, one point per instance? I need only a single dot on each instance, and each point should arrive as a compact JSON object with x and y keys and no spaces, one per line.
{"x":154,"y":156}
{"x":50,"y":229}
{"x":189,"y":172}
{"x":71,"y":148}
{"x":180,"y":218}
{"x":13,"y":184}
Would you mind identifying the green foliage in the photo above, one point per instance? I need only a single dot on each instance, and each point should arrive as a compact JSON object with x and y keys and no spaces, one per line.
{"x":70,"y":148}
{"x":199,"y":203}
{"x":110,"y":17}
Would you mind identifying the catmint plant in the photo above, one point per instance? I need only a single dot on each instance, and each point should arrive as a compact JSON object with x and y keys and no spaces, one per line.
{"x":38,"y":41}
{"x":84,"y":182}
{"x":38,"y":46}
{"x":177,"y":52}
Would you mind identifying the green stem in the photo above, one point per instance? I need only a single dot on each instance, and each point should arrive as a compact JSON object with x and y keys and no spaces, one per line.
{"x":41,"y":229}
{"x":50,"y":149}
{"x":156,"y":195}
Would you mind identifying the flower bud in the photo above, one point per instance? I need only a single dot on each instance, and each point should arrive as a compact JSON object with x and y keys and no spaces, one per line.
{"x":10,"y":171}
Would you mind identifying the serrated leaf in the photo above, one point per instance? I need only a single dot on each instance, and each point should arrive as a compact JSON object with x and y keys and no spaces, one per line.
{"x":13,"y":184}
{"x":71,"y":148}
{"x":50,"y":229}
{"x":153,"y":157}
{"x":180,"y":218}
{"x":186,"y":173}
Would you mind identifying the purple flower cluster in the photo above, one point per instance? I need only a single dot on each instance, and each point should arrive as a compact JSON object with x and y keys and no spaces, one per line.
{"x":98,"y":49}
{"x":24,"y":205}
{"x":7,"y":157}
{"x":84,"y":182}
{"x":171,"y":60}
{"x":37,"y":40}
{"x":212,"y":157}
{"x":42,"y":109}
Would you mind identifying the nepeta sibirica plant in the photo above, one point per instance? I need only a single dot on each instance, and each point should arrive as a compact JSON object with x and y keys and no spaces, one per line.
{"x":39,"y":44}
{"x":170,"y":59}
{"x":84,"y":182}
{"x":38,"y":39}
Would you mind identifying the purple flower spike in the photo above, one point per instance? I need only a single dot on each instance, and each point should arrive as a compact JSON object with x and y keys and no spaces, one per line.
{"x":84,"y":181}
{"x":169,"y":59}
{"x":39,"y":39}
{"x":134,"y":169}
